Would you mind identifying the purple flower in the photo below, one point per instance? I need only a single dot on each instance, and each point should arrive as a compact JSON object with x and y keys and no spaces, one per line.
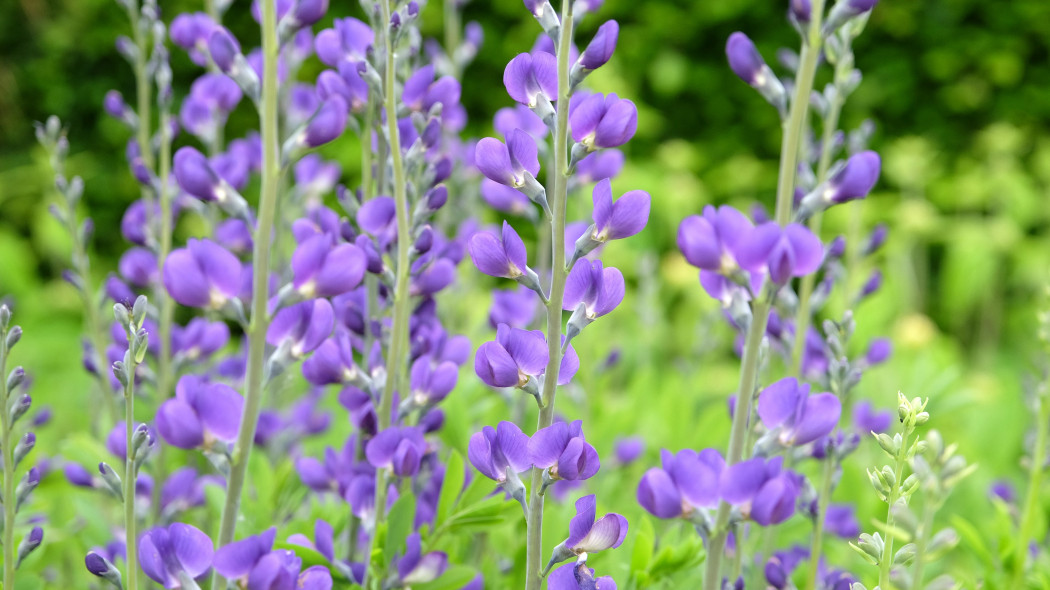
{"x":138,"y":266}
{"x":190,"y":31}
{"x":587,"y":535}
{"x":332,"y":362}
{"x":514,"y":307}
{"x":598,"y":289}
{"x":508,"y":119}
{"x":800,"y":418}
{"x":867,"y":419}
{"x":327,"y":123}
{"x":200,"y":338}
{"x":415,"y":567}
{"x":686,"y":480}
{"x":422,"y":92}
{"x":398,"y":449}
{"x":431,"y":382}
{"x":878,"y":351}
{"x":531,"y":79}
{"x":855,"y":180}
{"x":348,"y":41}
{"x":251,"y":562}
{"x":1002,"y":490}
{"x":499,"y":453}
{"x":306,"y":325}
{"x":601,"y":47}
{"x":744,"y":59}
{"x":508,"y":163}
{"x":606,"y":121}
{"x":196,"y":176}
{"x":761,"y":490}
{"x":499,"y":257}
{"x":841,"y":521}
{"x":622,"y":219}
{"x":322,"y":269}
{"x":628,"y":449}
{"x":844,"y":11}
{"x":171,"y":556}
{"x":200,"y":414}
{"x":784,"y":252}
{"x":577,"y":576}
{"x":518,"y":355}
{"x":561,"y":450}
{"x":599,"y":166}
{"x":709,"y":241}
{"x":202,"y":274}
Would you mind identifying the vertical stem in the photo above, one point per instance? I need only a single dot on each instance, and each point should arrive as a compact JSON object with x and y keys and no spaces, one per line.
{"x":395,"y":361}
{"x":165,"y":369}
{"x":804,"y":315}
{"x":1032,"y":496}
{"x":748,"y":377}
{"x":799,"y":105}
{"x":9,"y":469}
{"x":920,"y":544}
{"x":452,"y":28}
{"x":818,"y":523}
{"x":130,"y":477}
{"x":271,"y":172}
{"x":560,"y":180}
{"x":143,"y":93}
{"x":895,"y":494}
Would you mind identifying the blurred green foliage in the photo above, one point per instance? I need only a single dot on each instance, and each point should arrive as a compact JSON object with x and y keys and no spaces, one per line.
{"x":960,"y":90}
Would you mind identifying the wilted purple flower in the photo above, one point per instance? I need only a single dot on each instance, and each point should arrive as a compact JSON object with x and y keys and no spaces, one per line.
{"x":508,"y":163}
{"x":532,"y":80}
{"x":397,"y":449}
{"x":603,"y":121}
{"x":687,"y":480}
{"x":708,"y":242}
{"x":203,"y":274}
{"x":414,"y":567}
{"x":867,"y":419}
{"x":499,"y":257}
{"x":798,"y":417}
{"x":499,"y":453}
{"x":200,"y":414}
{"x":562,"y":451}
{"x":598,"y":289}
{"x":761,"y":489}
{"x":784,"y":252}
{"x":171,"y":555}
{"x":306,"y":325}
{"x":323,"y":269}
{"x":587,"y":535}
{"x":577,"y":576}
{"x":601,"y":47}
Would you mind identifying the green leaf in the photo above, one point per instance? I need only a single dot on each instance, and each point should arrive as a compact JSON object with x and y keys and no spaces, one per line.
{"x":399,"y":524}
{"x":310,"y":556}
{"x":973,"y":539}
{"x":451,"y":487}
{"x":642,"y":553}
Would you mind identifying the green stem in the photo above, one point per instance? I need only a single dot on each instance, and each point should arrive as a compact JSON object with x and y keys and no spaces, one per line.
{"x":1032,"y":496}
{"x":143,"y":93}
{"x":895,"y":493}
{"x":395,"y":362}
{"x":165,"y":369}
{"x":9,"y":469}
{"x":560,"y":181}
{"x":804,"y":315}
{"x":748,"y":377}
{"x":818,"y":524}
{"x":799,"y":106}
{"x":452,"y":30}
{"x":271,"y":172}
{"x":921,"y":542}
{"x":130,"y":476}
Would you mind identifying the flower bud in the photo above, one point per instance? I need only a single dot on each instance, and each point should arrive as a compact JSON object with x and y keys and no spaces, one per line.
{"x":24,"y":446}
{"x":112,"y":480}
{"x":101,"y":567}
{"x":15,"y":378}
{"x":26,"y":487}
{"x":20,"y":408}
{"x":138,"y":311}
{"x":13,"y":336}
{"x":29,"y":543}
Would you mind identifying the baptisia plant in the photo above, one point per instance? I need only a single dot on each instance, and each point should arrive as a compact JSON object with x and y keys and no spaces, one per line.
{"x":545,"y":85}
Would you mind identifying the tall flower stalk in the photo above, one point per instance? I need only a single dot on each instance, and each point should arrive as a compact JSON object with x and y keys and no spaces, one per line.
{"x":8,"y":450}
{"x":259,"y":322}
{"x":559,"y":183}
